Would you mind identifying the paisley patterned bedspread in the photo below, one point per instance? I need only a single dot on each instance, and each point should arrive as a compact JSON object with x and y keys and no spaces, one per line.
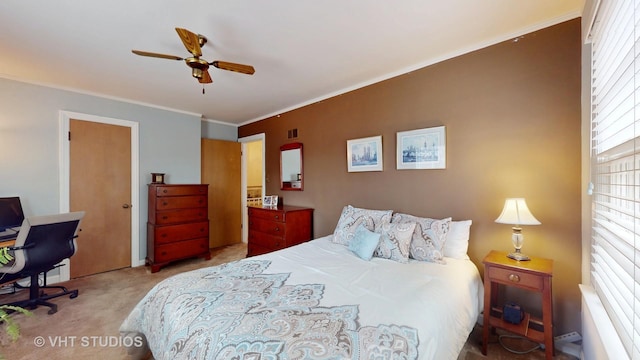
{"x":312,"y":301}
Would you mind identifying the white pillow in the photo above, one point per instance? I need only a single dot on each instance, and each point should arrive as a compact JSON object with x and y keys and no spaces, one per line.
{"x":457,"y":242}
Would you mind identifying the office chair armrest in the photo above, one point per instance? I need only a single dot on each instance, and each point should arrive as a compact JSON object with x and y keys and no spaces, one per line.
{"x":28,"y":246}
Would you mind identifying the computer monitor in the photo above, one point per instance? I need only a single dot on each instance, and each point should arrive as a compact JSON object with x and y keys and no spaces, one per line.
{"x":11,"y":215}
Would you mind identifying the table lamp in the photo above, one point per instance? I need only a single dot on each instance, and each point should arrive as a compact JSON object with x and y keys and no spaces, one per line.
{"x":517,"y":213}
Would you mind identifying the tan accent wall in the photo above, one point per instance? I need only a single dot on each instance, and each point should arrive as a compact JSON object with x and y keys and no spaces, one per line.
{"x":512,"y":116}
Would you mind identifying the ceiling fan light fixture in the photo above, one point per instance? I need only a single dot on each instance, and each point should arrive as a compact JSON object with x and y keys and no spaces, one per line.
{"x":199,"y":68}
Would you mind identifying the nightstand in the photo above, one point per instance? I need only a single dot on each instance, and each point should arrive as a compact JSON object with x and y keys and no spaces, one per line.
{"x":533,"y":275}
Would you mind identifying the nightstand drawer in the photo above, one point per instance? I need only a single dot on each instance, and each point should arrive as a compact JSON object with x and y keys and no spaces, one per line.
{"x":515,"y":277}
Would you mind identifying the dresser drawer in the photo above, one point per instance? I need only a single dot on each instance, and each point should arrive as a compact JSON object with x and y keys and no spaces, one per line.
{"x":181,"y":215}
{"x":181,"y":190}
{"x":267,"y":226}
{"x":266,"y":240}
{"x":181,"y":249}
{"x":253,"y":250}
{"x":511,"y":276}
{"x":181,"y":202}
{"x":172,"y":233}
{"x":267,"y":214}
{"x":272,"y":229}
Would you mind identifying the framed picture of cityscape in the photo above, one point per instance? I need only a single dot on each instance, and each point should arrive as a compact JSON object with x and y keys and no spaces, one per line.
{"x":364,"y":154}
{"x":422,"y":149}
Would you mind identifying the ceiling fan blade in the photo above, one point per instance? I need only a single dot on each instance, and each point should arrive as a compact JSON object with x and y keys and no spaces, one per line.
{"x":191,"y":41}
{"x":206,"y":78}
{"x":245,"y":69}
{"x":162,"y":56}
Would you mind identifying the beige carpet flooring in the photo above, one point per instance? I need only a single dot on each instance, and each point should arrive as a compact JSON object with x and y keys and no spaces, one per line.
{"x":87,"y":327}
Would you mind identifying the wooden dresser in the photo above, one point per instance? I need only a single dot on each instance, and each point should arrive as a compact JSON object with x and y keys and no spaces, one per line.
{"x":178,"y":224}
{"x":272,"y":229}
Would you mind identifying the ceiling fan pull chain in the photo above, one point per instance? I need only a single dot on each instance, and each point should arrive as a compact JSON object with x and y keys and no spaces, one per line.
{"x":202,"y":89}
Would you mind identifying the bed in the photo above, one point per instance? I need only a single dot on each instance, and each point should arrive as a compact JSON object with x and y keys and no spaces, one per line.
{"x":319,"y":300}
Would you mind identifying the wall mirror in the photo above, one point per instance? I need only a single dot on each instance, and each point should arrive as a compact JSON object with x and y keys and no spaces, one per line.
{"x":291,"y":177}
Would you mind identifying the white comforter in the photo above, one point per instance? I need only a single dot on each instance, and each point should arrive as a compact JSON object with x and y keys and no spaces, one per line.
{"x":315,"y":301}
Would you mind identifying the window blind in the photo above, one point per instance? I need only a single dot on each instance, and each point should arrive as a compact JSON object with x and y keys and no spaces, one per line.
{"x":615,"y":164}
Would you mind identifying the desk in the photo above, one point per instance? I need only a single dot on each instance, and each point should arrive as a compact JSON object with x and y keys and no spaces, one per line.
{"x":7,"y":243}
{"x":534,"y":275}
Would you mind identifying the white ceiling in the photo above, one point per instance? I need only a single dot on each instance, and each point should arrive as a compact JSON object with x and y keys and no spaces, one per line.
{"x":303,"y":51}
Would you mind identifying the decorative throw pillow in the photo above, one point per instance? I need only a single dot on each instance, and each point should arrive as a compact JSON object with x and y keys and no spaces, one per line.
{"x":395,"y":241}
{"x":364,"y":243}
{"x":457,"y":242}
{"x":428,"y":239}
{"x":352,"y":217}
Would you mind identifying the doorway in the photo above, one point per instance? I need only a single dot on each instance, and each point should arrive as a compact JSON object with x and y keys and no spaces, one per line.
{"x":131,"y":130}
{"x":253,"y":165}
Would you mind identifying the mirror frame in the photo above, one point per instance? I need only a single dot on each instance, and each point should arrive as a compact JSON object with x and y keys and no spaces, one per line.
{"x":283,"y":186}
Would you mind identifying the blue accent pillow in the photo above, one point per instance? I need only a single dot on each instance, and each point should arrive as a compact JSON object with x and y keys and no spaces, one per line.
{"x":364,"y":242}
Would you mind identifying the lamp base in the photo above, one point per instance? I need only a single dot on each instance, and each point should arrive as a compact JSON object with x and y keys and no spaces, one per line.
{"x":518,"y":256}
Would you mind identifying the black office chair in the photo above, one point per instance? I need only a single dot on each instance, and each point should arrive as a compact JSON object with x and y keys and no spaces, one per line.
{"x":42,"y":243}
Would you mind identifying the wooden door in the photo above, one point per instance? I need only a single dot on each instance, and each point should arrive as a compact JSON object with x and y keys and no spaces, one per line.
{"x":221,"y":170}
{"x":100,"y":185}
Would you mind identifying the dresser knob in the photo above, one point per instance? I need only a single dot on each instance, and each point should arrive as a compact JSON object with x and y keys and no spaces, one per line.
{"x":514,"y":277}
{"x":276,"y":216}
{"x":277,"y":228}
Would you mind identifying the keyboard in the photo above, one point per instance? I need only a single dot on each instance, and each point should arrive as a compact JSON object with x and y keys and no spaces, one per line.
{"x":10,"y":233}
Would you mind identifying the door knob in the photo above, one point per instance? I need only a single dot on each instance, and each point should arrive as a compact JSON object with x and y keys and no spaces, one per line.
{"x":126,"y":206}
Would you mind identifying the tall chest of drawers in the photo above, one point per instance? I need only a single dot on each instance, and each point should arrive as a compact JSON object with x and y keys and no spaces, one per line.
{"x":178,"y":223}
{"x":272,"y":229}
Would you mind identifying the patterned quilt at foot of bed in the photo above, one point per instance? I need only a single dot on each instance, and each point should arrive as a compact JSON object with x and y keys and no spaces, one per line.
{"x":236,"y":311}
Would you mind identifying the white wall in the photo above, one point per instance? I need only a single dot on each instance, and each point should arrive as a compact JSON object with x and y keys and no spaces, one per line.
{"x":29,"y":158}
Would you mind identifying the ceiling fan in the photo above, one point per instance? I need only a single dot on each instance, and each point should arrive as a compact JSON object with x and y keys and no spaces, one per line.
{"x":199,"y":67}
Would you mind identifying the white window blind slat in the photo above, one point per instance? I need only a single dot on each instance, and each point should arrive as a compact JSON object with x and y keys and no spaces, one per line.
{"x":615,"y":166}
{"x":613,"y":310}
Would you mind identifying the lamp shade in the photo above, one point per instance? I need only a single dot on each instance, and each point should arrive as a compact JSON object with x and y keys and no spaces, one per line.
{"x":516,"y":212}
